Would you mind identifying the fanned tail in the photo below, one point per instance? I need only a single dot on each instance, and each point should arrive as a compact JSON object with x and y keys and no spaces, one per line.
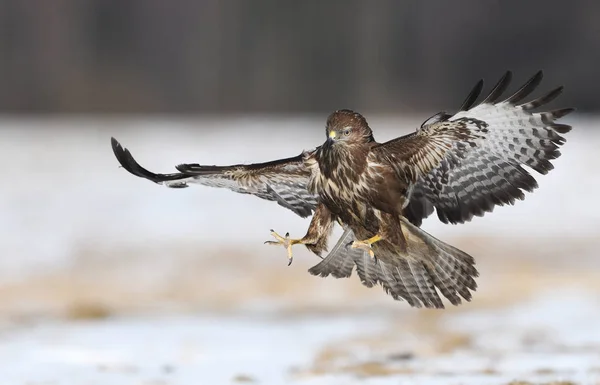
{"x":340,"y":261}
{"x":449,"y":269}
{"x":429,"y":266}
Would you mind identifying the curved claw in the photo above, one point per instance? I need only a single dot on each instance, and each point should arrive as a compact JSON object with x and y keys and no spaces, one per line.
{"x":285,"y":242}
{"x":366,"y":246}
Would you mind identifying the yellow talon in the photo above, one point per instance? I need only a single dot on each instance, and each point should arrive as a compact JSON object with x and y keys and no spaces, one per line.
{"x":366,"y":244}
{"x":285,"y":242}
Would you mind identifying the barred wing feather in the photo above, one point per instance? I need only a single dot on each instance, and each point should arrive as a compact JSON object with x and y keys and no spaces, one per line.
{"x":466,"y":164}
{"x":283,"y":181}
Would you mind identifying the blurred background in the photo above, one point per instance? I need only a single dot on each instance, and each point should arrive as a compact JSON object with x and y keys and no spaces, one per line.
{"x":106,"y":278}
{"x":219,"y":57}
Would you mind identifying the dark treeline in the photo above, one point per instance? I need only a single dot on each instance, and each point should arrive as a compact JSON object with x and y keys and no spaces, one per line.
{"x":221,"y":56}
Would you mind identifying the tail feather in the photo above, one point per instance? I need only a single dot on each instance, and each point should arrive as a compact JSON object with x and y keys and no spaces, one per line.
{"x":429,"y":266}
{"x":425,"y":282}
{"x":340,"y":261}
{"x":409,"y":279}
{"x":437,"y":275}
{"x":454,"y":270}
{"x":366,"y":269}
{"x":391,"y":284}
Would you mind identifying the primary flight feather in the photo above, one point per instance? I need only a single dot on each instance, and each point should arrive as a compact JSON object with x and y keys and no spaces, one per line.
{"x":460,"y":165}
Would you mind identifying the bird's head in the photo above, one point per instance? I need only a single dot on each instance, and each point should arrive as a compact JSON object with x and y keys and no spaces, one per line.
{"x":346,"y":127}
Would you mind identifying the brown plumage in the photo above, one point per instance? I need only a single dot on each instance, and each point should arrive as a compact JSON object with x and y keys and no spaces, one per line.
{"x":462,"y":165}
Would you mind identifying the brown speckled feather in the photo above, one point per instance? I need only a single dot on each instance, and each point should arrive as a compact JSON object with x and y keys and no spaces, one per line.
{"x":484,"y":167}
{"x":461,"y":165}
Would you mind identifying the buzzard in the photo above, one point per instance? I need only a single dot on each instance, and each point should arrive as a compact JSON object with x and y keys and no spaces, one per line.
{"x":461,"y":165}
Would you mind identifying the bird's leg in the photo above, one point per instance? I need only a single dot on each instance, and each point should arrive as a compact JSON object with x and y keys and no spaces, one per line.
{"x":389,"y":230}
{"x":366,"y":244}
{"x":286,"y":242}
{"x":316,"y":235}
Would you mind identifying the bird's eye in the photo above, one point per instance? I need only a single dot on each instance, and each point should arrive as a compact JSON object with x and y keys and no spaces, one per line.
{"x":347,"y":132}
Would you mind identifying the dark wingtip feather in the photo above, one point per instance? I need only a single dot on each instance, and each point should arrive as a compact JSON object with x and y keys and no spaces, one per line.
{"x":561,"y":128}
{"x":527,"y":88}
{"x":127,"y":161}
{"x":197,"y":169}
{"x":114,"y":143}
{"x":557,"y":114}
{"x":182,"y":167}
{"x":439,"y":117}
{"x":130,"y":164}
{"x":550,"y":116}
{"x":499,"y":88}
{"x":119,"y":151}
{"x":550,"y":96}
{"x":472,"y":97}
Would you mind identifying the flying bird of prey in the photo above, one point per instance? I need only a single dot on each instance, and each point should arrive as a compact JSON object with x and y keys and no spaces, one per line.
{"x":461,"y":165}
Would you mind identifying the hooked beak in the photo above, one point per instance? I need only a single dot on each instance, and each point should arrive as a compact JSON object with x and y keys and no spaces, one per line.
{"x":331,"y":137}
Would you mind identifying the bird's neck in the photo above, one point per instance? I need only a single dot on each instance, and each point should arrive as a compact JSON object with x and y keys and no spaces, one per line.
{"x":343,"y":161}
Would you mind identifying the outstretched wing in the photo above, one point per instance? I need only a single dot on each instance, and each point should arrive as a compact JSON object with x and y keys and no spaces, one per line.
{"x":467,"y":163}
{"x":284,"y":181}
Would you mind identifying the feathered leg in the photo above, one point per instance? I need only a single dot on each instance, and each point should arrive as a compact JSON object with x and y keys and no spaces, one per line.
{"x":316,"y":236}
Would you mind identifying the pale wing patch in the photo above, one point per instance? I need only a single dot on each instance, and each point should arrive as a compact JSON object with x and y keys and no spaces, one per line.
{"x":471,"y":180}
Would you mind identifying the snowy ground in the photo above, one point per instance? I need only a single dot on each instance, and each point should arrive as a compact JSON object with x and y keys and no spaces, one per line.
{"x":109,"y":279}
